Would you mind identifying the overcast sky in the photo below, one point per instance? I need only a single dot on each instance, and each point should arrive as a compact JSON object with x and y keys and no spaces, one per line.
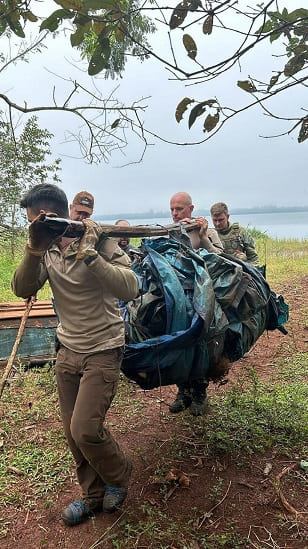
{"x":236,"y":166}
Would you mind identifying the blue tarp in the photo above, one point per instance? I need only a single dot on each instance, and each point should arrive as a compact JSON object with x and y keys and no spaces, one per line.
{"x":207,"y":307}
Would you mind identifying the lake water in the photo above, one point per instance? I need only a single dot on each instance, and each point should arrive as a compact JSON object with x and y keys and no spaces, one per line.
{"x":275,"y":225}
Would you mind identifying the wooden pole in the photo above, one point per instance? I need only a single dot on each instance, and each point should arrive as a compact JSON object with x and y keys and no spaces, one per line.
{"x":15,"y":347}
{"x":71,"y":228}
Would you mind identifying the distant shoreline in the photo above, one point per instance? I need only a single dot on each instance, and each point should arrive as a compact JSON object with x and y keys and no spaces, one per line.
{"x":234,"y":211}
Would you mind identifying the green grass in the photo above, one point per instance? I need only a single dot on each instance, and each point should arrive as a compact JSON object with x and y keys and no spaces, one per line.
{"x":250,"y":417}
{"x":8,"y":265}
{"x":254,"y":415}
{"x":127,"y":408}
{"x":157,"y":530}
{"x":257,"y":234}
{"x":284,"y":259}
{"x":34,"y":460}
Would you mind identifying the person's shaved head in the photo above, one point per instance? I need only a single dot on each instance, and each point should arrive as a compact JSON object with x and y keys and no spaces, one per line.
{"x":181,"y":206}
{"x":122,"y":223}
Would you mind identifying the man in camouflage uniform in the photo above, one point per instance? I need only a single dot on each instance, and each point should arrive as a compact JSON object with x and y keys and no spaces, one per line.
{"x":236,"y":240}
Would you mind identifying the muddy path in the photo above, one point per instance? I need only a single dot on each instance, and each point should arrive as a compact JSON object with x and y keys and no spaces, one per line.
{"x":239,"y":497}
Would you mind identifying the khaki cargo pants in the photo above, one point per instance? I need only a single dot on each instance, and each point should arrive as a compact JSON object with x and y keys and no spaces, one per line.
{"x":87,"y":384}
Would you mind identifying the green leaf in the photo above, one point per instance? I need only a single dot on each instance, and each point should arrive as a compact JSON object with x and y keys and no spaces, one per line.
{"x":194,"y":5}
{"x":211,"y":122}
{"x":300,"y":13}
{"x":104,"y":34}
{"x":119,"y":34}
{"x":182,"y":107}
{"x":98,"y":27}
{"x":3,"y":25}
{"x":275,"y":36}
{"x":294,"y":65}
{"x":78,"y":36}
{"x":29,"y":16}
{"x":190,"y":46}
{"x":15,"y":26}
{"x":100,"y":4}
{"x":81,"y":19}
{"x":53,"y":21}
{"x":208,"y":25}
{"x":301,"y":48}
{"x":115,"y":123}
{"x":267,"y":27}
{"x":75,"y":5}
{"x":275,"y":15}
{"x":179,"y":15}
{"x":303,"y":133}
{"x":273,"y":81}
{"x":246,"y":85}
{"x":100,"y":58}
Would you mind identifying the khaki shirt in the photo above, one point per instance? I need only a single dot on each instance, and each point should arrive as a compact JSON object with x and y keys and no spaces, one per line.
{"x":86,"y":296}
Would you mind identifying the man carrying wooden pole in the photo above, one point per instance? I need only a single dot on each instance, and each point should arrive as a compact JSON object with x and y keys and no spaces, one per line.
{"x":192,"y":394}
{"x":88,"y":275}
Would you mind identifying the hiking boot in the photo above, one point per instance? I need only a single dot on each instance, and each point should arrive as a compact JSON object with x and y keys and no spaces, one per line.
{"x":199,"y":400}
{"x":198,"y":407}
{"x":78,"y":511}
{"x":113,"y":498}
{"x":115,"y":495}
{"x":182,"y":401}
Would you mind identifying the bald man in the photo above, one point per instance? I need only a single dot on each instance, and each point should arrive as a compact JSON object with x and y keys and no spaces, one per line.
{"x":181,"y":208}
{"x":192,"y":394}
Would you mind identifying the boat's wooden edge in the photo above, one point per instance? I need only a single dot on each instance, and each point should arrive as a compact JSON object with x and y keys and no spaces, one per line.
{"x":15,"y":309}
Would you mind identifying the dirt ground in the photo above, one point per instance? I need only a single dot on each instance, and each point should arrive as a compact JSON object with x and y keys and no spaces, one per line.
{"x":250,"y":499}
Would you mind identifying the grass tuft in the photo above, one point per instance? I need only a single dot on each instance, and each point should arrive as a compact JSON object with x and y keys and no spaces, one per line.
{"x":35,"y":460}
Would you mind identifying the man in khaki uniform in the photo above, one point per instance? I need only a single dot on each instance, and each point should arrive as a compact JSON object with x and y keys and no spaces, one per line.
{"x":82,"y":206}
{"x":236,"y":240}
{"x":87,"y":276}
{"x":192,"y":394}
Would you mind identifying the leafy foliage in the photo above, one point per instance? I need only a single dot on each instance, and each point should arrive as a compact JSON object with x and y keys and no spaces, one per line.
{"x":292,"y":27}
{"x":108,"y":31}
{"x":105,"y":32}
{"x":108,"y":45}
{"x":179,"y":14}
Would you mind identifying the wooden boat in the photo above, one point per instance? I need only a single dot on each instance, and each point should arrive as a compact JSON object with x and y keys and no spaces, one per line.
{"x":38,"y":340}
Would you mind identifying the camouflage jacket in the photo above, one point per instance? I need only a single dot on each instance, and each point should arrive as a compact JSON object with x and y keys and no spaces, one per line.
{"x":238,"y":242}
